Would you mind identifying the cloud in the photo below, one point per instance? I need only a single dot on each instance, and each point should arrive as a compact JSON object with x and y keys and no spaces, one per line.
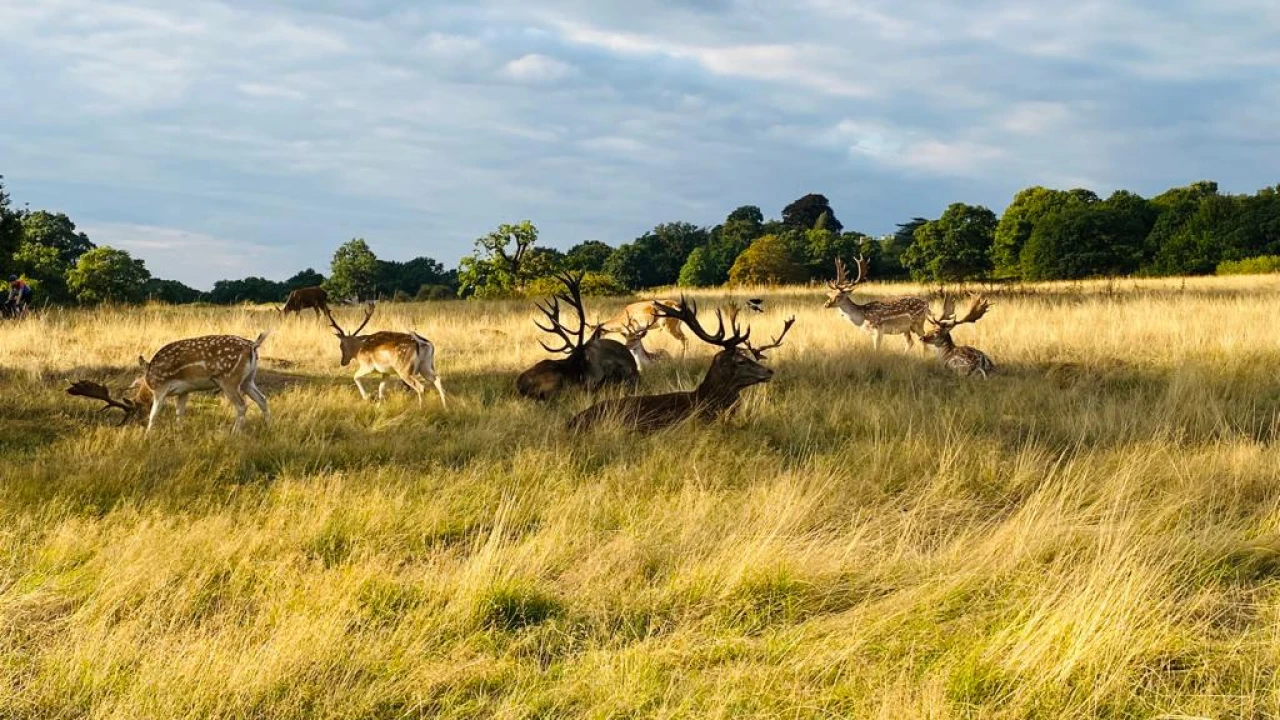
{"x":537,"y":69}
{"x":193,"y":258}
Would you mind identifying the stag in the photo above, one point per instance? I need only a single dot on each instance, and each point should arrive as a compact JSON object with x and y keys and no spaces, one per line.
{"x":300,"y":299}
{"x":962,"y":359}
{"x":591,"y":361}
{"x":634,"y":333}
{"x":896,"y":316}
{"x":408,"y":355}
{"x":212,"y":362}
{"x":736,"y":367}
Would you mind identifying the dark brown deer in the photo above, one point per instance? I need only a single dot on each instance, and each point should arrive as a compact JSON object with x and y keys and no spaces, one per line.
{"x":314,"y":297}
{"x":592,"y":362}
{"x":733,"y":369}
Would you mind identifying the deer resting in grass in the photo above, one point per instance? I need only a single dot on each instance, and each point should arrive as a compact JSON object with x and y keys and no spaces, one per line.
{"x":962,"y":359}
{"x":212,"y":362}
{"x":408,"y":355}
{"x":733,"y":369}
{"x":896,"y":316}
{"x":591,"y":361}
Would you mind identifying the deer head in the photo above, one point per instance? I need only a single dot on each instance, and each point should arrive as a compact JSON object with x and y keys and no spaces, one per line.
{"x":97,"y":391}
{"x":350,"y":342}
{"x":842,"y":286}
{"x":941,"y":334}
{"x":737,"y":364}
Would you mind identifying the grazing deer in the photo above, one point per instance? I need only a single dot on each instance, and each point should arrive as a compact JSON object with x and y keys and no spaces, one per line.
{"x":897,"y":316}
{"x":962,"y":359}
{"x":645,"y":313}
{"x":213,"y":362}
{"x":634,"y":334}
{"x":406,"y":354}
{"x":590,"y":362}
{"x":97,"y":391}
{"x":300,"y":299}
{"x":733,"y":369}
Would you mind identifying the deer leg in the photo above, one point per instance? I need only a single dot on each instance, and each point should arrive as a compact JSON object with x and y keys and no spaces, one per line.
{"x":875,"y":340}
{"x":412,"y":381}
{"x":435,"y":380}
{"x":157,"y":402}
{"x":364,"y":395}
{"x":232,"y":391}
{"x":251,"y":389}
{"x":911,"y":343}
{"x":180,"y":406}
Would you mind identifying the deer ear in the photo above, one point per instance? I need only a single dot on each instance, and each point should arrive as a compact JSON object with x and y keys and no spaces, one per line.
{"x":143,"y":362}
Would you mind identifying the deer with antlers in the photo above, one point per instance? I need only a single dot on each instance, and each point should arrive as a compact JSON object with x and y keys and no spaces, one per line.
{"x":644,"y":313}
{"x":736,"y":367}
{"x":897,"y":316}
{"x":962,"y":359}
{"x":590,"y":361}
{"x":633,"y":334}
{"x":228,"y":363}
{"x":408,"y":355}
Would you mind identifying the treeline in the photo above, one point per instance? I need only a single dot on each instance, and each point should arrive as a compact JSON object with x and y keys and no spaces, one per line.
{"x":1044,"y":234}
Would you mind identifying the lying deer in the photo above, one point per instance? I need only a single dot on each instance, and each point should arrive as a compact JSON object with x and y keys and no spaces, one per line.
{"x":406,"y":354}
{"x":962,"y":359}
{"x":212,"y":362}
{"x":634,"y":333}
{"x":897,"y":316}
{"x":590,"y":361}
{"x":733,"y":369}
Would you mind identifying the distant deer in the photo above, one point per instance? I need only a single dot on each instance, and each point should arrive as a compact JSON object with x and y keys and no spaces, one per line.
{"x":645,"y":313}
{"x":212,"y":362}
{"x":897,"y":316}
{"x":408,"y":355}
{"x":634,"y":333}
{"x":591,"y":361}
{"x":962,"y":359}
{"x":735,"y":368}
{"x":300,"y":299}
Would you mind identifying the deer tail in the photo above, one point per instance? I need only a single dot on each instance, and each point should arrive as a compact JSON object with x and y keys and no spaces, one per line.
{"x":262,"y":336}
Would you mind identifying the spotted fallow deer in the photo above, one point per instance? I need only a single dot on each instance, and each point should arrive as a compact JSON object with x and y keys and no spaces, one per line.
{"x":896,"y":316}
{"x":962,"y":359}
{"x":405,"y":354}
{"x":646,"y":313}
{"x":212,"y":362}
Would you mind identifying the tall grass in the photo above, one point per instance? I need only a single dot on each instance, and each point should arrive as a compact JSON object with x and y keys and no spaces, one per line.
{"x":1093,"y":532}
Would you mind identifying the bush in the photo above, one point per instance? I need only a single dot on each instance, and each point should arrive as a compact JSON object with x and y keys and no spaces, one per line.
{"x":593,"y":283}
{"x":401,"y":296}
{"x":766,"y":262}
{"x":434,"y":292}
{"x":1249,"y":266}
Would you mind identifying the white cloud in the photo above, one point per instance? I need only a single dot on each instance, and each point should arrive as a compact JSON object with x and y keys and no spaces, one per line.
{"x":536,"y":69}
{"x":261,"y":90}
{"x":1034,"y":118}
{"x":172,"y":253}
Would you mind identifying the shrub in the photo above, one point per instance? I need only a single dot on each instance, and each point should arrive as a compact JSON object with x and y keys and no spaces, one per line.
{"x":1249,"y":266}
{"x":593,"y":283}
{"x":434,"y":292}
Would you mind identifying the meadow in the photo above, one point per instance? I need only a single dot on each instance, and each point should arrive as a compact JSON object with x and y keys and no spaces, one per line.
{"x":1093,"y":532}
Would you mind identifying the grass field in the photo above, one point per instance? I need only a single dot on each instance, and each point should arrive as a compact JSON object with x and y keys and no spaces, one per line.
{"x":1093,"y":532}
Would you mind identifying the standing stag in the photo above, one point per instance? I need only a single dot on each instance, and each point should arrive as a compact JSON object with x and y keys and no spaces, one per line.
{"x":314,"y":297}
{"x":733,"y":369}
{"x":406,"y":354}
{"x":212,"y":362}
{"x":897,"y":316}
{"x":962,"y":359}
{"x":591,"y":362}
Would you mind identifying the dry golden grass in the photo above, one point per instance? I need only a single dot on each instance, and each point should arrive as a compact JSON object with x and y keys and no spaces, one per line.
{"x":1093,"y":532}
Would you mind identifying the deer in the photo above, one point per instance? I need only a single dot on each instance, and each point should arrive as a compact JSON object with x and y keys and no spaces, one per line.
{"x":314,"y":297}
{"x":896,"y":316}
{"x":644,"y":312}
{"x":633,"y":332}
{"x":590,"y":361}
{"x":736,"y":367}
{"x":408,"y":355}
{"x":211,"y":362}
{"x":962,"y":359}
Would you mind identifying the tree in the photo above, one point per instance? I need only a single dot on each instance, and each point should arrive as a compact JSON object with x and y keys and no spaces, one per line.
{"x":804,"y":213}
{"x":11,"y":231}
{"x":354,"y":270}
{"x":768,"y":261}
{"x":55,"y":230}
{"x":820,"y":248}
{"x":697,"y":270}
{"x":170,"y":291}
{"x":727,"y":241}
{"x":656,"y":257}
{"x":496,"y":268}
{"x":304,"y":278}
{"x":955,"y":247}
{"x":589,"y":256}
{"x":44,"y":269}
{"x":1079,"y":241}
{"x":408,"y":277}
{"x":105,"y":274}
{"x":1019,"y":221}
{"x":251,"y":289}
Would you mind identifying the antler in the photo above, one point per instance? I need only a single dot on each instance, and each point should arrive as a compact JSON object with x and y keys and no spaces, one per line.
{"x":863,"y":266}
{"x":977,"y":308}
{"x":686,"y":311}
{"x":368,"y":314}
{"x":841,"y":283}
{"x":573,"y":339}
{"x":96,"y":391}
{"x":758,"y":352}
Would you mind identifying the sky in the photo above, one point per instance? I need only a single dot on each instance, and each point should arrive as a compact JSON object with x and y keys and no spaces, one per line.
{"x":252,"y":137}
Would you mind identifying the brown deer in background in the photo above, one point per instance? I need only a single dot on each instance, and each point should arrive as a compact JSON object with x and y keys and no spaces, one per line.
{"x":962,"y":359}
{"x":646,"y":314}
{"x":314,"y":297}
{"x":733,"y":369}
{"x":896,"y":316}
{"x":591,"y":361}
{"x":408,"y":355}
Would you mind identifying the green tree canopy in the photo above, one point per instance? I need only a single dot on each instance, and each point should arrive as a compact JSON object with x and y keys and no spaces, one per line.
{"x":767,"y":262}
{"x":170,"y":291}
{"x":55,"y":230}
{"x":304,"y":278}
{"x":11,"y":231}
{"x":955,"y":247}
{"x":496,"y":268}
{"x":589,"y":256}
{"x":804,"y":213}
{"x":354,"y":271}
{"x":105,"y":274}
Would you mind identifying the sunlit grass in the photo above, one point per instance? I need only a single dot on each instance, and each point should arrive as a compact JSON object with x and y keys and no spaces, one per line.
{"x":1093,"y":532}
